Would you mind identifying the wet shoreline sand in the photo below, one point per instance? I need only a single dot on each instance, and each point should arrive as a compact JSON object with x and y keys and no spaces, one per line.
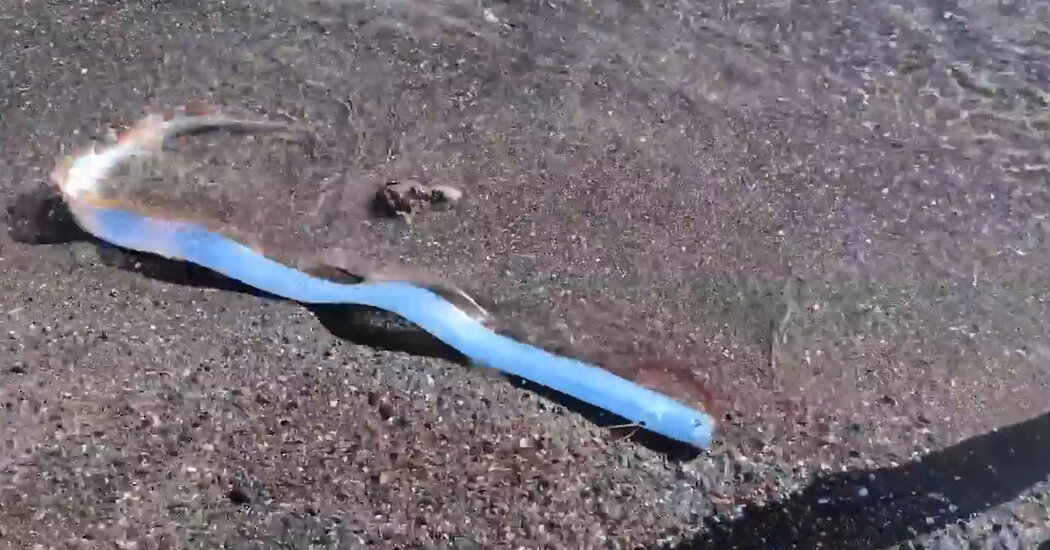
{"x":641,"y":181}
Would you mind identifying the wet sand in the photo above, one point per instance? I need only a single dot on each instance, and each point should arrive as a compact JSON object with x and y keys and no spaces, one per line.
{"x":832,"y":217}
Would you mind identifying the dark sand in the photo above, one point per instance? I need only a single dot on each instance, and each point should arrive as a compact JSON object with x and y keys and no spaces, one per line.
{"x":831,"y":215}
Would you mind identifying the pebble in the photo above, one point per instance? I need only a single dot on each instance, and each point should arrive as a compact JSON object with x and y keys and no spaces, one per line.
{"x":238,"y":495}
{"x":402,"y":199}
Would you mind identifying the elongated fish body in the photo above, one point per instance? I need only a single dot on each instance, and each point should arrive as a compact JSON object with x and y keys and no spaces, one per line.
{"x":135,"y":228}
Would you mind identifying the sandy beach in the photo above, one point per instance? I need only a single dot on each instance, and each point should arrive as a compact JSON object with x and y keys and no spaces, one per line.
{"x":829,"y":216}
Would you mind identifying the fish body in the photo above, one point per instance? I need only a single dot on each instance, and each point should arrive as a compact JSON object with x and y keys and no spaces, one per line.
{"x":135,"y":227}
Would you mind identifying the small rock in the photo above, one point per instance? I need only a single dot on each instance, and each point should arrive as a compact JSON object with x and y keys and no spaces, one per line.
{"x":464,"y":542}
{"x":239,"y":496}
{"x":444,"y":197}
{"x":386,"y":411}
{"x":403,"y":199}
{"x":18,"y":369}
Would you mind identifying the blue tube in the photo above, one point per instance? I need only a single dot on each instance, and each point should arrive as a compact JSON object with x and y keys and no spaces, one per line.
{"x":196,"y":244}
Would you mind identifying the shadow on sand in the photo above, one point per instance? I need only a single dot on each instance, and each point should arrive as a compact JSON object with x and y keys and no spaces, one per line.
{"x":870,"y":509}
{"x":864,"y":509}
{"x":41,"y":217}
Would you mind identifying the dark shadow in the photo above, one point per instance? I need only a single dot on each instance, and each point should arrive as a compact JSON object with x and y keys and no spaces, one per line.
{"x":883,"y":507}
{"x":1045,"y":545}
{"x":618,"y":426}
{"x":42,"y":217}
{"x":366,"y":326}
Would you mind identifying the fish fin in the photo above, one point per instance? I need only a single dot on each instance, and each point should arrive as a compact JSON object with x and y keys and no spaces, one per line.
{"x":330,"y":272}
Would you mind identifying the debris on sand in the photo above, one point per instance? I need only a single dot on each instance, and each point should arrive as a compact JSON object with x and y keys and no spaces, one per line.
{"x":402,"y":199}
